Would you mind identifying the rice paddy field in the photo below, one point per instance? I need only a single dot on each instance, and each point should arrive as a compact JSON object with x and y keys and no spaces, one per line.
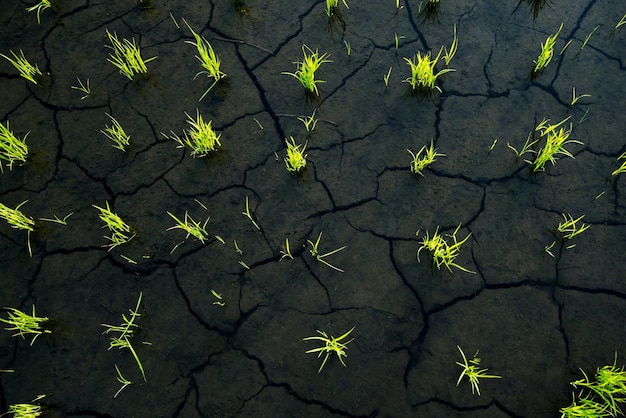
{"x":177,"y":282}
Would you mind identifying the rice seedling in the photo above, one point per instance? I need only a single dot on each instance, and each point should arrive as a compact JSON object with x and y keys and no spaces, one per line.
{"x":577,"y":98}
{"x":309,"y":122}
{"x":386,"y":77}
{"x":116,"y":134}
{"x":555,"y":140}
{"x":526,"y":148}
{"x":320,"y":257}
{"x":397,"y":41}
{"x":332,"y":7}
{"x":287,"y":251}
{"x":450,"y":53}
{"x":126,"y":331}
{"x":547,"y":51}
{"x":295,"y":161}
{"x":584,"y":407}
{"x":83,"y":88}
{"x":473,"y":372}
{"x":248,"y":215}
{"x":423,"y":75}
{"x":25,"y":68}
{"x":609,"y":385}
{"x":17,"y":220}
{"x":622,"y":168}
{"x":208,"y":59}
{"x":237,"y":249}
{"x":331,"y":345}
{"x":12,"y":148}
{"x":621,"y":22}
{"x":443,"y":254}
{"x":120,"y":230}
{"x":39,"y":7}
{"x":57,"y":220}
{"x":201,"y":137}
{"x":305,"y":72}
{"x":548,"y":249}
{"x":126,"y":56}
{"x":120,"y":378}
{"x":348,"y":47}
{"x":191,"y":227}
{"x":570,"y":227}
{"x":420,"y":162}
{"x":26,"y":410}
{"x":492,"y":146}
{"x":25,"y":324}
{"x":219,"y":298}
{"x":589,"y":37}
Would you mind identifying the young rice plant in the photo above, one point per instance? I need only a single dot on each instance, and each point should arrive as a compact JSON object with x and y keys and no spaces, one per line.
{"x":443,"y":254}
{"x":547,"y":51}
{"x":305,"y":72}
{"x":25,"y":324}
{"x":556,"y":137}
{"x":116,"y":134}
{"x":295,"y":161}
{"x":473,"y":372}
{"x":120,"y":231}
{"x":331,"y":345}
{"x":16,"y":219}
{"x":423,"y":75}
{"x":420,"y":162}
{"x":208,"y":60}
{"x":39,"y":7}
{"x":201,"y":137}
{"x":126,"y":56}
{"x":25,"y":68}
{"x":12,"y":148}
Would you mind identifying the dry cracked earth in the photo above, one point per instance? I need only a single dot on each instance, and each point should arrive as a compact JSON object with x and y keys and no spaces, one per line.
{"x":536,"y":318}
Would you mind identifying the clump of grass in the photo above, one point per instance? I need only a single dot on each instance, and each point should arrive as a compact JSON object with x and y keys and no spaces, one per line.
{"x":556,"y":137}
{"x":443,"y":254}
{"x":25,"y":324}
{"x":584,"y":407}
{"x":570,"y":227}
{"x":208,"y":59}
{"x":16,"y":219}
{"x":191,"y":227}
{"x":26,"y":410}
{"x":12,"y":148}
{"x":305,"y":73}
{"x":26,"y":69}
{"x":473,"y":372}
{"x":607,"y":390}
{"x":84,"y":88}
{"x":126,"y":56}
{"x":39,"y":7}
{"x":200,"y":137}
{"x":295,"y":161}
{"x":423,"y":76}
{"x":331,"y":345}
{"x":116,"y":134}
{"x":120,"y":231}
{"x":547,"y":51}
{"x":420,"y":162}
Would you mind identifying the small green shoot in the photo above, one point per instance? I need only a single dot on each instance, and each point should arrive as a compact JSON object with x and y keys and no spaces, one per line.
{"x":57,"y":220}
{"x":120,"y":230}
{"x":208,"y":59}
{"x":309,"y":122}
{"x":332,"y":7}
{"x":219,"y":298}
{"x":39,"y":7}
{"x":556,"y":137}
{"x":386,"y":77}
{"x":589,"y":37}
{"x":622,"y":167}
{"x":25,"y":324}
{"x":320,"y":257}
{"x":295,"y":161}
{"x":397,"y":40}
{"x":237,"y":249}
{"x":12,"y":148}
{"x":331,"y":344}
{"x":443,"y":254}
{"x":116,"y":134}
{"x":423,"y":76}
{"x":25,"y":68}
{"x":420,"y":162}
{"x":83,"y":88}
{"x":305,"y":72}
{"x":248,"y":215}
{"x":191,"y":227}
{"x":126,"y":56}
{"x":621,"y":22}
{"x":120,"y":378}
{"x":17,"y":220}
{"x":492,"y":146}
{"x":547,"y":51}
{"x":526,"y":148}
{"x":473,"y":372}
{"x":570,"y":228}
{"x":577,"y":98}
{"x":201,"y":137}
{"x":450,"y":53}
{"x":348,"y":48}
{"x":287,"y":252}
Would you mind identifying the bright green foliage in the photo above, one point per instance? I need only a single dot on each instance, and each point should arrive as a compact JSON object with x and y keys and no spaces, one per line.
{"x":201,"y":137}
{"x":26,"y":410}
{"x":547,"y":51}
{"x":332,"y":6}
{"x":126,"y":56}
{"x":450,"y":53}
{"x":12,"y":148}
{"x":116,"y":134}
{"x":305,"y":72}
{"x":443,"y":253}
{"x":18,"y":220}
{"x":208,"y":59}
{"x":569,"y":227}
{"x":296,"y":158}
{"x":621,"y":169}
{"x":25,"y":324}
{"x":331,"y":344}
{"x":473,"y":372}
{"x":320,"y":257}
{"x":309,"y":122}
{"x":423,"y":76}
{"x":609,"y":386}
{"x":420,"y":162}
{"x":585,"y":407}
{"x":26,"y":69}
{"x":39,"y":7}
{"x":120,"y":231}
{"x":556,"y":137}
{"x":191,"y":227}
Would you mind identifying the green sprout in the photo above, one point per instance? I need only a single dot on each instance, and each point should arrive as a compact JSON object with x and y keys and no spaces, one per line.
{"x":473,"y":372}
{"x":320,"y":257}
{"x":332,"y":7}
{"x":116,"y":134}
{"x":309,"y":122}
{"x":126,"y":56}
{"x":120,"y":231}
{"x":526,"y":148}
{"x":570,"y":228}
{"x":577,"y":98}
{"x":331,"y":344}
{"x":201,"y":137}
{"x":248,"y":215}
{"x":622,"y":167}
{"x":208,"y":59}
{"x":423,"y":76}
{"x":12,"y":148}
{"x":585,"y":407}
{"x":39,"y":7}
{"x":305,"y":73}
{"x":120,"y":378}
{"x":126,"y":331}
{"x":295,"y":161}
{"x":25,"y":324}
{"x":420,"y":162}
{"x":589,"y":37}
{"x":547,"y":51}
{"x":556,"y":138}
{"x":609,"y":385}
{"x":287,"y":252}
{"x":450,"y":53}
{"x":191,"y":227}
{"x":443,"y":254}
{"x":83,"y":88}
{"x":219,"y":298}
{"x":26,"y":69}
{"x":57,"y":220}
{"x":16,"y":219}
{"x":621,"y":22}
{"x":26,"y":410}
{"x":386,"y":77}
